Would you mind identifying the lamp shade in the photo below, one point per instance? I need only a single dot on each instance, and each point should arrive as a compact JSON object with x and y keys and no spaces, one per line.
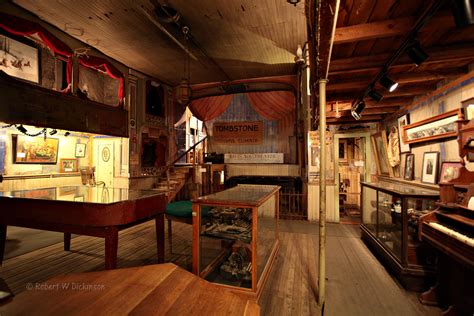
{"x":357,"y":109}
{"x":183,"y":93}
{"x":388,"y":83}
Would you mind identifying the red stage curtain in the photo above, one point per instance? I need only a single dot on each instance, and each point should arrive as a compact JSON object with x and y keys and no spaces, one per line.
{"x":21,"y":27}
{"x":209,"y":108}
{"x":273,"y":105}
{"x":102,"y":64}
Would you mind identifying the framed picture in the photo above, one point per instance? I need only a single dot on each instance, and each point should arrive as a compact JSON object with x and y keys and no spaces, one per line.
{"x":343,"y":150}
{"x":19,"y":59}
{"x":436,"y":127}
{"x":379,"y":144}
{"x":32,"y":150}
{"x":402,"y":121}
{"x":80,"y":150}
{"x":79,"y":198}
{"x":314,"y":153}
{"x":409,"y":167}
{"x":429,"y":172}
{"x":449,"y":171}
{"x":68,"y":165}
{"x":468,"y":106}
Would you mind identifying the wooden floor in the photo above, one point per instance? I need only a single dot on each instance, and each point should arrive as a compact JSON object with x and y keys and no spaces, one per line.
{"x":356,"y":282}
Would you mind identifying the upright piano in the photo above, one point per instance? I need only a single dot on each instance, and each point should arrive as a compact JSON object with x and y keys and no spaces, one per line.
{"x":450,"y":229}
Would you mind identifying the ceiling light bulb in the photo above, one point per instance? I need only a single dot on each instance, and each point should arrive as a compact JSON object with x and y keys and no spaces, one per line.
{"x":357,"y":109}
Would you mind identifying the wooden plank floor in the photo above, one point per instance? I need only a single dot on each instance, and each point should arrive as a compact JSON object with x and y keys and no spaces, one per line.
{"x":356,"y":282}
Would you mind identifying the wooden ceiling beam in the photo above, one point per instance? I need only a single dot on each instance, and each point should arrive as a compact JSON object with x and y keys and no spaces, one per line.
{"x":351,"y":120}
{"x":374,"y":62}
{"x":370,"y":111}
{"x":400,"y":92}
{"x":387,"y":28}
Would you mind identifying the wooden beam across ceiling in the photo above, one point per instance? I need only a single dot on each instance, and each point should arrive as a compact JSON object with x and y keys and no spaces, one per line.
{"x":367,"y":111}
{"x":351,"y":120}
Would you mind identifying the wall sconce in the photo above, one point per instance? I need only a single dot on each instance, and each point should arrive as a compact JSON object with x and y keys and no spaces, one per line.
{"x":388,"y":83}
{"x":417,"y":54}
{"x":293,"y":2}
{"x":357,"y":109}
{"x":299,"y":56}
{"x":375,"y":95}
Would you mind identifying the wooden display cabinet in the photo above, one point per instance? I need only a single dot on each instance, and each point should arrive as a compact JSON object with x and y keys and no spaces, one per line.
{"x":390,"y":213}
{"x":235,"y":237}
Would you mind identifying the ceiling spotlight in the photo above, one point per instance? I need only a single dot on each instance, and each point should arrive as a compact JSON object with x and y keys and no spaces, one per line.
{"x":52,"y":132}
{"x":67,"y":134}
{"x":388,"y":83}
{"x":417,"y":54}
{"x":463,"y":12}
{"x":293,"y":2}
{"x":21,"y":128}
{"x":375,"y":95}
{"x":357,"y":109}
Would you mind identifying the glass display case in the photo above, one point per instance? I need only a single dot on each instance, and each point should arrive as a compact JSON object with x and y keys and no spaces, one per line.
{"x":390,"y":213}
{"x":235,"y":236}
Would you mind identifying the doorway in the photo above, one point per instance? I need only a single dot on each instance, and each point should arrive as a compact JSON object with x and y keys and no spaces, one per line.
{"x":351,"y":167}
{"x":104,"y":160}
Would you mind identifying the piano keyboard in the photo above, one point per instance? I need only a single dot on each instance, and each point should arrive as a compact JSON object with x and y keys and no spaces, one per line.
{"x":463,"y":238}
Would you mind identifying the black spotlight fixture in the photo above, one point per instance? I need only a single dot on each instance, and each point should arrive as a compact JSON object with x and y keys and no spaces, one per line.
{"x":52,"y":132}
{"x":388,"y":83}
{"x":375,"y":95}
{"x":357,"y":109}
{"x":417,"y":54}
{"x":463,"y":12}
{"x":67,"y":134}
{"x":22,"y":129}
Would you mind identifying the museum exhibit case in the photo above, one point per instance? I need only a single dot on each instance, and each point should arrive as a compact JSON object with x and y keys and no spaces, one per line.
{"x":390,"y":213}
{"x":235,"y":236}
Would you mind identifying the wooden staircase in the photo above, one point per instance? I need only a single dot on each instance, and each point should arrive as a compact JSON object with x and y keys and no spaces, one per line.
{"x":173,"y":181}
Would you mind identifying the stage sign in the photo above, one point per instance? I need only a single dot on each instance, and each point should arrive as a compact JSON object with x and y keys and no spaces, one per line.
{"x":254,"y":158}
{"x":250,"y":133}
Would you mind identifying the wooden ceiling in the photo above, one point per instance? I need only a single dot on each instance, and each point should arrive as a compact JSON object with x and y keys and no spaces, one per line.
{"x":238,"y":39}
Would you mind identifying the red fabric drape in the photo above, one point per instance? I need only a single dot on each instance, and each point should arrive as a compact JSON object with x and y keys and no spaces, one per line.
{"x":209,"y":108}
{"x":273,"y":105}
{"x":21,"y":27}
{"x":102,"y":64}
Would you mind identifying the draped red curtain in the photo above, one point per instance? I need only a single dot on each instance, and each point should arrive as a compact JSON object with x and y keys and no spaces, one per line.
{"x":209,"y":108}
{"x":273,"y":105}
{"x":21,"y":27}
{"x":102,"y":64}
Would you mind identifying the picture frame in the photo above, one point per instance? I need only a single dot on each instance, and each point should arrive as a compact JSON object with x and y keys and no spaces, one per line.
{"x":343,"y":151}
{"x":450,"y":171}
{"x":379,"y":144}
{"x":437,"y":127}
{"x":20,"y":59}
{"x":409,"y":172}
{"x":80,"y":150}
{"x":67,"y":165}
{"x":403,"y":121}
{"x":430,"y":169}
{"x":35,"y":150}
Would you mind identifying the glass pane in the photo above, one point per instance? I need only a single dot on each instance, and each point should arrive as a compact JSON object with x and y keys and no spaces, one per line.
{"x":266,"y":234}
{"x":390,"y":223}
{"x":369,"y":209}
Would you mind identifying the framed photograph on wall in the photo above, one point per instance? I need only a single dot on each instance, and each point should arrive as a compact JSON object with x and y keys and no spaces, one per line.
{"x":402,"y":121}
{"x":429,"y":172}
{"x":19,"y":59}
{"x":379,"y":144}
{"x":449,"y":171}
{"x":68,"y":165}
{"x":35,"y":150}
{"x":80,"y":150}
{"x":409,"y":173}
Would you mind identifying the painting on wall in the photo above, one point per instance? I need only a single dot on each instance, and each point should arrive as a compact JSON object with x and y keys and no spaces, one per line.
{"x":68,"y":165}
{"x":18,"y":59}
{"x":315,"y":153}
{"x":35,"y":150}
{"x":402,"y":121}
{"x":429,"y":173}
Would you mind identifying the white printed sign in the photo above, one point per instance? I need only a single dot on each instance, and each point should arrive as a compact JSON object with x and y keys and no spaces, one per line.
{"x":254,"y":158}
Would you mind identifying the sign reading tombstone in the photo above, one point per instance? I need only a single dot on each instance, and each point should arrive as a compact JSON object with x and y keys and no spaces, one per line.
{"x":249,"y":133}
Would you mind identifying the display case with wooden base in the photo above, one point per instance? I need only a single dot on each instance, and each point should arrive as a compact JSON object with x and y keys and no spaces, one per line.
{"x":390,"y":213}
{"x":235,"y":237}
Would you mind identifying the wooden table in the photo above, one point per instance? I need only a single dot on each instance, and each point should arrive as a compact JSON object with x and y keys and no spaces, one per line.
{"x":85,"y":210}
{"x":154,"y":289}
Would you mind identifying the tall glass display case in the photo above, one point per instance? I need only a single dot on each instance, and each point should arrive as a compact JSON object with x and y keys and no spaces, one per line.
{"x":235,"y":236}
{"x":390,"y":213}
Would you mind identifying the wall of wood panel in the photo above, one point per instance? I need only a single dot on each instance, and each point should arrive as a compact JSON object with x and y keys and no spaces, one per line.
{"x":262,"y":170}
{"x":332,"y":212}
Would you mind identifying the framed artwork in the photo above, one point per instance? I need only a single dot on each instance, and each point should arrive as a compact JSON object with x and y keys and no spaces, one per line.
{"x":436,"y":127}
{"x":379,"y":144}
{"x":33,"y":150}
{"x":468,"y":106}
{"x":68,"y":165}
{"x":80,"y":150}
{"x":449,"y":171}
{"x":343,"y":150}
{"x":79,"y":198}
{"x":402,"y":121}
{"x":429,"y":172}
{"x":19,"y":59}
{"x":409,"y":167}
{"x":314,"y":153}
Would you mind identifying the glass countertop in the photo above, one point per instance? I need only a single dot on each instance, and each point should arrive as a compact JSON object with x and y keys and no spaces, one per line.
{"x":81,"y":194}
{"x":250,"y":194}
{"x":401,"y":188}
